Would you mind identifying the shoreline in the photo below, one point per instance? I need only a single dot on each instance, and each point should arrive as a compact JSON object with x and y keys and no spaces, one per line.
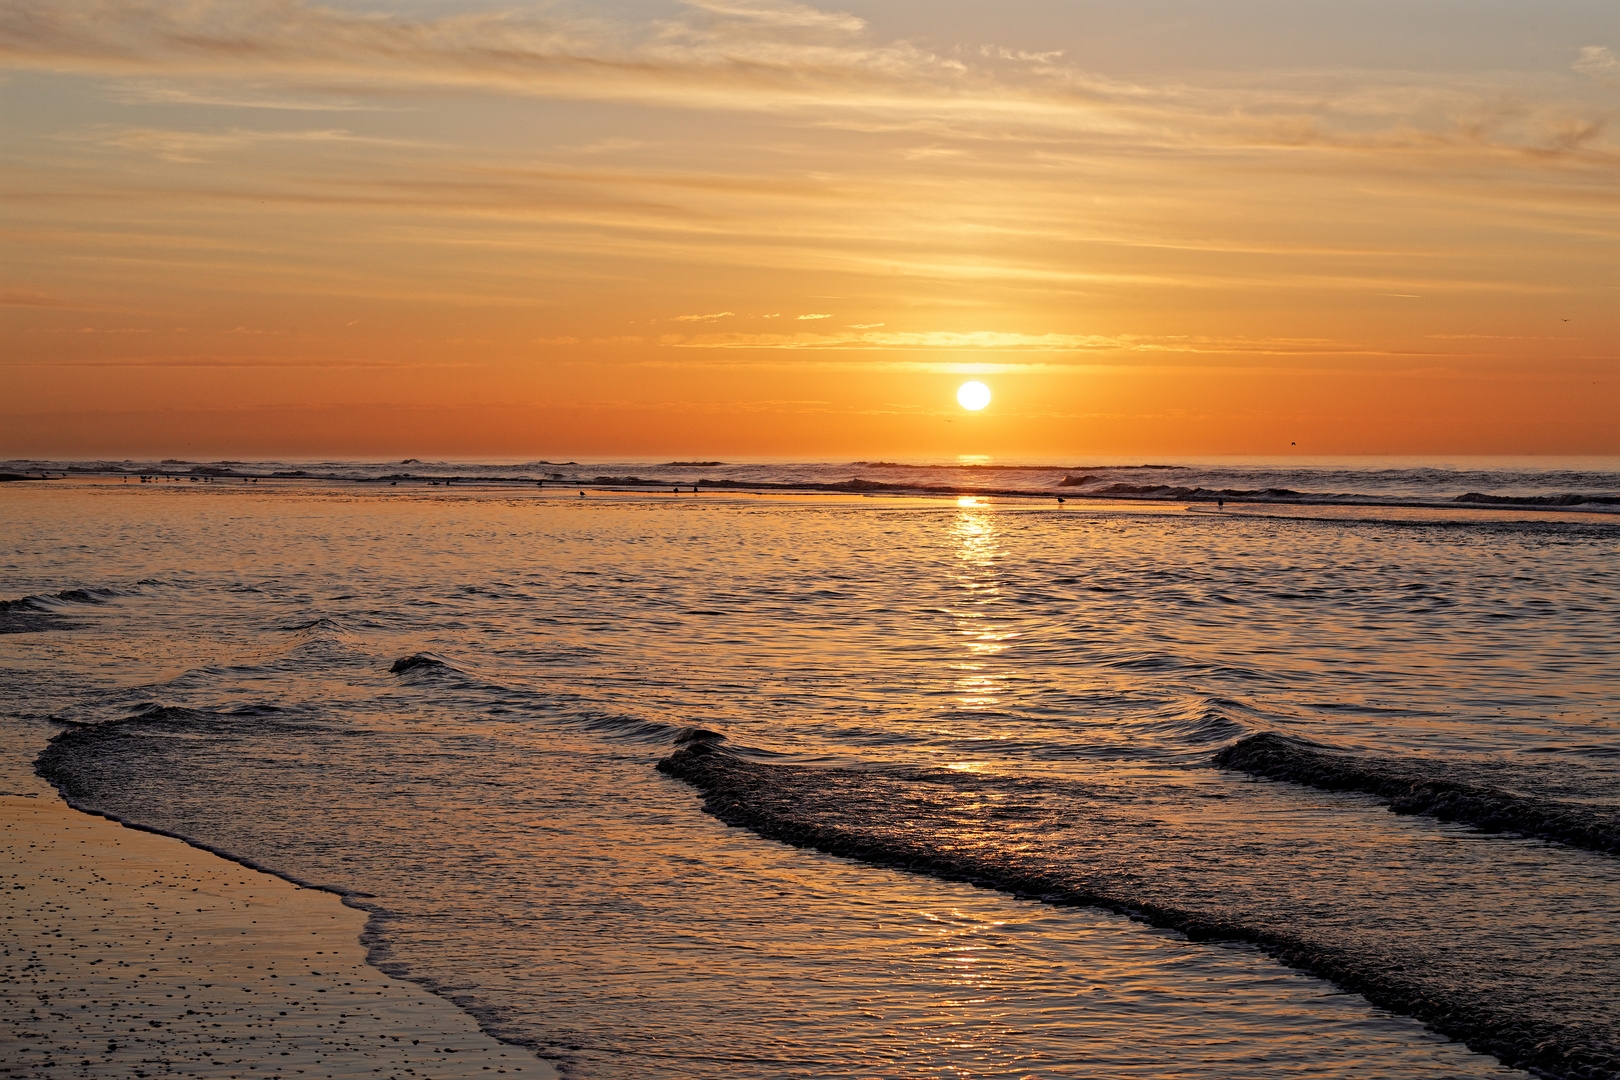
{"x":127,"y":953}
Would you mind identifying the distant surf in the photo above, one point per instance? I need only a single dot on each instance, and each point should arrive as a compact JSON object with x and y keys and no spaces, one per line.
{"x":1589,"y":485}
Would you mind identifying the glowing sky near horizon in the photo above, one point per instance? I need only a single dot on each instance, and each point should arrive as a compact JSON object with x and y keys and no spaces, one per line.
{"x":279,"y":227}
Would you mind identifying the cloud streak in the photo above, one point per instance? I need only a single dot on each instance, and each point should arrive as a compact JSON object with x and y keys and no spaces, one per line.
{"x":26,"y":299}
{"x":998,"y":341}
{"x":1599,"y":62}
{"x":765,"y":56}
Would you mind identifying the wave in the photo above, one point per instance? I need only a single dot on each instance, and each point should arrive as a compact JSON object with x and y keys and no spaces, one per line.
{"x":1019,"y":468}
{"x":1169,"y":492}
{"x":1049,"y":842}
{"x":1568,"y":498}
{"x":44,"y":611}
{"x":427,"y":669}
{"x":1415,"y":786}
{"x":49,"y":603}
{"x":84,"y":760}
{"x":1591,"y":484}
{"x":420,"y":661}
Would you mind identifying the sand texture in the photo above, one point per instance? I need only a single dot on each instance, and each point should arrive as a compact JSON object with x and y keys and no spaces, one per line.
{"x":127,"y":954}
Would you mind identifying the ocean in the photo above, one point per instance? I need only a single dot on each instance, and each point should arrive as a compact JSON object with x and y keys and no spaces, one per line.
{"x":1098,"y":768}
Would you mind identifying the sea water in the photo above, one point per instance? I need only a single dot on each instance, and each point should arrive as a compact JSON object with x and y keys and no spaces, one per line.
{"x":953,"y":785}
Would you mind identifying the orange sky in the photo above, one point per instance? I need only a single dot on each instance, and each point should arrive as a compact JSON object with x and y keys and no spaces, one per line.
{"x":270,"y":227}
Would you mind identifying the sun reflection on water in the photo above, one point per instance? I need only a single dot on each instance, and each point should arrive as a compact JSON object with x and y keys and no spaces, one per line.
{"x":983,"y":634}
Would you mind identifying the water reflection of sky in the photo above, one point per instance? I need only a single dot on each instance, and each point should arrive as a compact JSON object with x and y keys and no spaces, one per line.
{"x":581,"y":635}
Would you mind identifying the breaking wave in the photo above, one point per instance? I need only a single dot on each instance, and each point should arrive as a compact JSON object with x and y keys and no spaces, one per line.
{"x":1416,"y":786}
{"x":1055,"y":842}
{"x":45,"y":611}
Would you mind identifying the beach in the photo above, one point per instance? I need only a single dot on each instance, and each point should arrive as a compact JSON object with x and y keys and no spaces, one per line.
{"x":128,"y":954}
{"x":951,"y":786}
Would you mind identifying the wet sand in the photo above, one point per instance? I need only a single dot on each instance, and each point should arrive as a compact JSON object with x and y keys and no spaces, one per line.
{"x":127,"y":954}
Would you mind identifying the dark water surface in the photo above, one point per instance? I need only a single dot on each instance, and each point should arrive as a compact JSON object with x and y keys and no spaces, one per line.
{"x":1021,"y":696}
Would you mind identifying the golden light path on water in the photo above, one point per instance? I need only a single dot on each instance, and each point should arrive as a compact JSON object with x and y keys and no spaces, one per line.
{"x":978,"y":687}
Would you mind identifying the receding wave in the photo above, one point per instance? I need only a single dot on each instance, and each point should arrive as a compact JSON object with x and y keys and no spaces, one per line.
{"x":1212,"y":878}
{"x":1413,"y":786}
{"x":84,"y":761}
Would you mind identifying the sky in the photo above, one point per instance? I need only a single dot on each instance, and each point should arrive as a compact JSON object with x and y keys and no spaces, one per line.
{"x":463,"y":228}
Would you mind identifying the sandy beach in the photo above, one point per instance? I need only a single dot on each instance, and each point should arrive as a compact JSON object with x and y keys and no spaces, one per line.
{"x":128,"y":954}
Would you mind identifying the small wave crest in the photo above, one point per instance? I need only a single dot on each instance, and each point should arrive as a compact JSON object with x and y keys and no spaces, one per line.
{"x":1201,"y":727}
{"x":1416,"y":786}
{"x":422,"y":662}
{"x":322,"y":622}
{"x":45,"y":611}
{"x":51,"y":603}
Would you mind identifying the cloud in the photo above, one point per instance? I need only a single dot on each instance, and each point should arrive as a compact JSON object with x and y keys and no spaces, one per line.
{"x":1600,"y":63}
{"x":796,"y":50}
{"x":198,"y":146}
{"x":610,"y":146}
{"x":158,"y":93}
{"x":761,"y":56}
{"x":803,"y":318}
{"x":784,"y":15}
{"x":23,"y":298}
{"x":999,"y":341}
{"x":704,"y":318}
{"x":233,"y":362}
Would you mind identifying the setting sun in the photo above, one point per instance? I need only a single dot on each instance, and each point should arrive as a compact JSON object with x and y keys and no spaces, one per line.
{"x":973,"y":395}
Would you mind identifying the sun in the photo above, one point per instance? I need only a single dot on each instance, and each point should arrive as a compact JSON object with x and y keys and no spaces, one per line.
{"x":973,"y":395}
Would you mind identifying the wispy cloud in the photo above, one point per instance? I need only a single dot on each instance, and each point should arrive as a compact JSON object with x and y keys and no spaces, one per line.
{"x":26,"y":299}
{"x":783,"y":14}
{"x":139,"y":92}
{"x":229,"y":362}
{"x":811,"y":316}
{"x":795,"y":49}
{"x":197,"y":146}
{"x":998,"y":341}
{"x":1600,"y":63}
{"x":762,"y":56}
{"x":704,"y":318}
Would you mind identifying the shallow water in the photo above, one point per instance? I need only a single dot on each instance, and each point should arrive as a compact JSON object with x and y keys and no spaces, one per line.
{"x":1075,"y":667}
